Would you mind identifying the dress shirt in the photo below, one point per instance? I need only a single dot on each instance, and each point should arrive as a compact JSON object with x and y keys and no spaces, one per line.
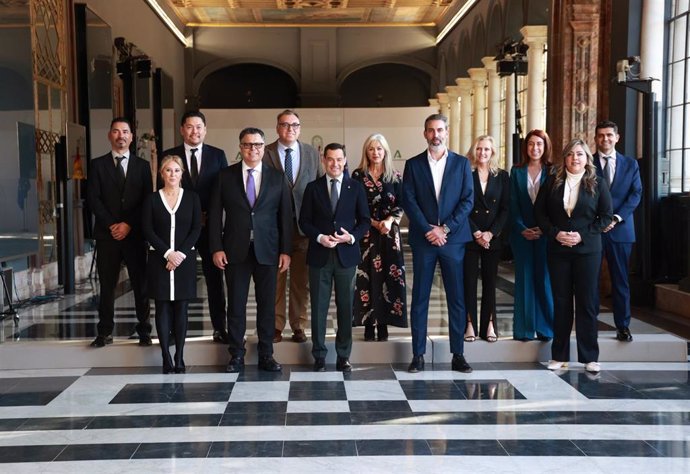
{"x":437,"y":169}
{"x":125,"y":160}
{"x":188,"y":156}
{"x":612,"y":163}
{"x":257,"y":177}
{"x":295,"y":158}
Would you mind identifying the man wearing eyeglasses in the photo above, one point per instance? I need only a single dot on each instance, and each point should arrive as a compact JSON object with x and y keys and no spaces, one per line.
{"x":300,"y":164}
{"x":255,"y":242}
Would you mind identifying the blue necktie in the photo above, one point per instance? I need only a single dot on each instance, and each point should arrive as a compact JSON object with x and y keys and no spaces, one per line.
{"x":251,"y":188}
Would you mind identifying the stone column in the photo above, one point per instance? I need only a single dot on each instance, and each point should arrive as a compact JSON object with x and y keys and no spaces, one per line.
{"x":443,"y":108}
{"x":465,"y":93}
{"x":493,"y":112}
{"x":510,"y":121}
{"x":453,"y":118}
{"x":434,"y":103}
{"x":478,"y":76}
{"x":651,"y":46}
{"x":535,"y":37}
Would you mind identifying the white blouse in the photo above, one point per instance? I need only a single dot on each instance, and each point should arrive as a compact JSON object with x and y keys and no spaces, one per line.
{"x":571,"y":191}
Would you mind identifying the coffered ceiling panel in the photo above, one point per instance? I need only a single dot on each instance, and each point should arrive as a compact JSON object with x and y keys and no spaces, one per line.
{"x":312,"y":12}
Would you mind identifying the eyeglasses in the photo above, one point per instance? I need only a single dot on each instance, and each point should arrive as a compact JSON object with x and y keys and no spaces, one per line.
{"x":249,"y":146}
{"x":294,"y":126}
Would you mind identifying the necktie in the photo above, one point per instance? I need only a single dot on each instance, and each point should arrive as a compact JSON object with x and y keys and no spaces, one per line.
{"x":288,"y":165}
{"x":120,"y":171}
{"x":607,"y":169}
{"x":194,"y":172}
{"x":334,"y":194}
{"x":251,"y":188}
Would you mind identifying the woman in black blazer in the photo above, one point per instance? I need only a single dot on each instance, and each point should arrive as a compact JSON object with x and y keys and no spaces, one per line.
{"x":487,"y":220}
{"x":172,"y":224}
{"x":572,"y":209}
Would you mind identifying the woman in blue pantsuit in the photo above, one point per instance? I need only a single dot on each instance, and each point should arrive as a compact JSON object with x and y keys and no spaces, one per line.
{"x":533,"y":314}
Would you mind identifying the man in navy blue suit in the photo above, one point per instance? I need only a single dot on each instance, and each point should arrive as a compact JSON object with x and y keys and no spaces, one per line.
{"x":438,"y":196}
{"x":335,"y":217}
{"x":623,"y":176}
{"x":202,"y":163}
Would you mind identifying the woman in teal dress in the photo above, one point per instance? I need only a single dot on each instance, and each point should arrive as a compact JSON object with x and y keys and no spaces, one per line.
{"x":533,"y":314}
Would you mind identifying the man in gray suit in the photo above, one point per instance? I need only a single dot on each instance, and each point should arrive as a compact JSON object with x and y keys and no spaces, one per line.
{"x":300,"y":164}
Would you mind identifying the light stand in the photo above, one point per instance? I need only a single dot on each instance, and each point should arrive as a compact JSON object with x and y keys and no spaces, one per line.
{"x":511,"y":60}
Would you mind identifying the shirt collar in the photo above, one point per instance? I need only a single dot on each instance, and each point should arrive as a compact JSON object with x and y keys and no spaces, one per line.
{"x":293,"y":147}
{"x":257,"y":169}
{"x":125,"y":155}
{"x":432,"y":161}
{"x":188,"y":148}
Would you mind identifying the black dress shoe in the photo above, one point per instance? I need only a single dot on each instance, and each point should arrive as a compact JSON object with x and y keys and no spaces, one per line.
{"x":102,"y":341}
{"x":221,"y":337}
{"x":320,"y":364}
{"x":269,"y":364}
{"x":624,"y":335}
{"x":180,"y":370}
{"x":145,"y":340}
{"x":382,"y":331}
{"x":235,"y":365}
{"x":168,"y":370}
{"x":369,"y":333}
{"x":459,"y":364}
{"x":417,"y":364}
{"x":299,"y":336}
{"x":343,"y":365}
{"x":543,"y":338}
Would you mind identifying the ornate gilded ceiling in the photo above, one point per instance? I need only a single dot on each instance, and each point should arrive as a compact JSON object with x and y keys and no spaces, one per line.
{"x":311,"y":12}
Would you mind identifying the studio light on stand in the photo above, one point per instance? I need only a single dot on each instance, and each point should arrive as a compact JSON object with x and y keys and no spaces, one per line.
{"x":511,"y":60}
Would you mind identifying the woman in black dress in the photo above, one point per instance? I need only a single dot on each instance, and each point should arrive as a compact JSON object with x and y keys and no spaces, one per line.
{"x":380,"y":290}
{"x":487,"y":220}
{"x":171,"y":225}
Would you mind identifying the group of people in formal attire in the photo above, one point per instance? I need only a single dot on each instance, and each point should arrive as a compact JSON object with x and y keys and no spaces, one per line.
{"x":284,"y":215}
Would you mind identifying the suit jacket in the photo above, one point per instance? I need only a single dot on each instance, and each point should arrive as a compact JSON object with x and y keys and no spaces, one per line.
{"x":591,"y":215}
{"x":521,"y":207}
{"x":270,"y":218}
{"x":212,"y":161}
{"x":454,"y":204}
{"x":490,"y":211}
{"x":316,"y":217}
{"x":626,"y":192}
{"x":111,"y":205}
{"x":309,"y":170}
{"x":156,"y":225}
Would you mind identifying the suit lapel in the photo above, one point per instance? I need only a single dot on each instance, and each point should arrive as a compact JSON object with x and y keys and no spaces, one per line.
{"x":112,"y":170}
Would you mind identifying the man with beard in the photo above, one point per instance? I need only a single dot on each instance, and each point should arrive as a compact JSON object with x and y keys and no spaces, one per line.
{"x":438,"y":196}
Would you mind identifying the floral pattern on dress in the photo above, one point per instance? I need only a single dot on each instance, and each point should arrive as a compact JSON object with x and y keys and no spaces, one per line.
{"x":380,"y":289}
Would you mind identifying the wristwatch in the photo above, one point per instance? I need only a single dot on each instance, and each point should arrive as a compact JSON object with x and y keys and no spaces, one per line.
{"x":446,"y":229}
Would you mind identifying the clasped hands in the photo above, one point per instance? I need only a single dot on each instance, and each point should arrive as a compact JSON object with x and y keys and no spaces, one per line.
{"x":532,"y":233}
{"x":436,"y":236}
{"x":384,"y":226}
{"x":483,"y":239}
{"x":330,"y":241}
{"x":568,"y":239}
{"x":119,"y":230}
{"x":175,"y":259}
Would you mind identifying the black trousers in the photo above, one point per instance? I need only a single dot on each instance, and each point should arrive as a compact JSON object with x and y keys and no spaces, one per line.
{"x":110,"y":254}
{"x":489,"y":270}
{"x":213,"y":276}
{"x":575,"y":276}
{"x":171,"y":318}
{"x":237,"y":277}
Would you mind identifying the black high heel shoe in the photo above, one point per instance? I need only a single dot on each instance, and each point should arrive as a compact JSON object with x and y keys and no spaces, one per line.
{"x":382,"y":330}
{"x":369,"y":333}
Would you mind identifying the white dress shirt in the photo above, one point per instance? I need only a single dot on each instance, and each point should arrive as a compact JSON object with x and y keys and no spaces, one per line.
{"x":125,"y":161}
{"x":188,"y":156}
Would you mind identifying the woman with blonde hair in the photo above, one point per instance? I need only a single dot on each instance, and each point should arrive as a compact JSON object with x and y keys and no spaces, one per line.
{"x":380,"y":288}
{"x":572,"y":209}
{"x":171,"y":225}
{"x":487,"y":221}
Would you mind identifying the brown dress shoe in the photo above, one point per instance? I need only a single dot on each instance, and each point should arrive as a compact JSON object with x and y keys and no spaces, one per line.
{"x":299,"y":336}
{"x":277,"y":336}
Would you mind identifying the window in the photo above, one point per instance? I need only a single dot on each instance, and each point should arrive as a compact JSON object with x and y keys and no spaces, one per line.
{"x":678,"y":98}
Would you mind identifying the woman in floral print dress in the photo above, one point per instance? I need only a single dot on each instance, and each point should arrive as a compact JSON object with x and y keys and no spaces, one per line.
{"x":380,"y":290}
